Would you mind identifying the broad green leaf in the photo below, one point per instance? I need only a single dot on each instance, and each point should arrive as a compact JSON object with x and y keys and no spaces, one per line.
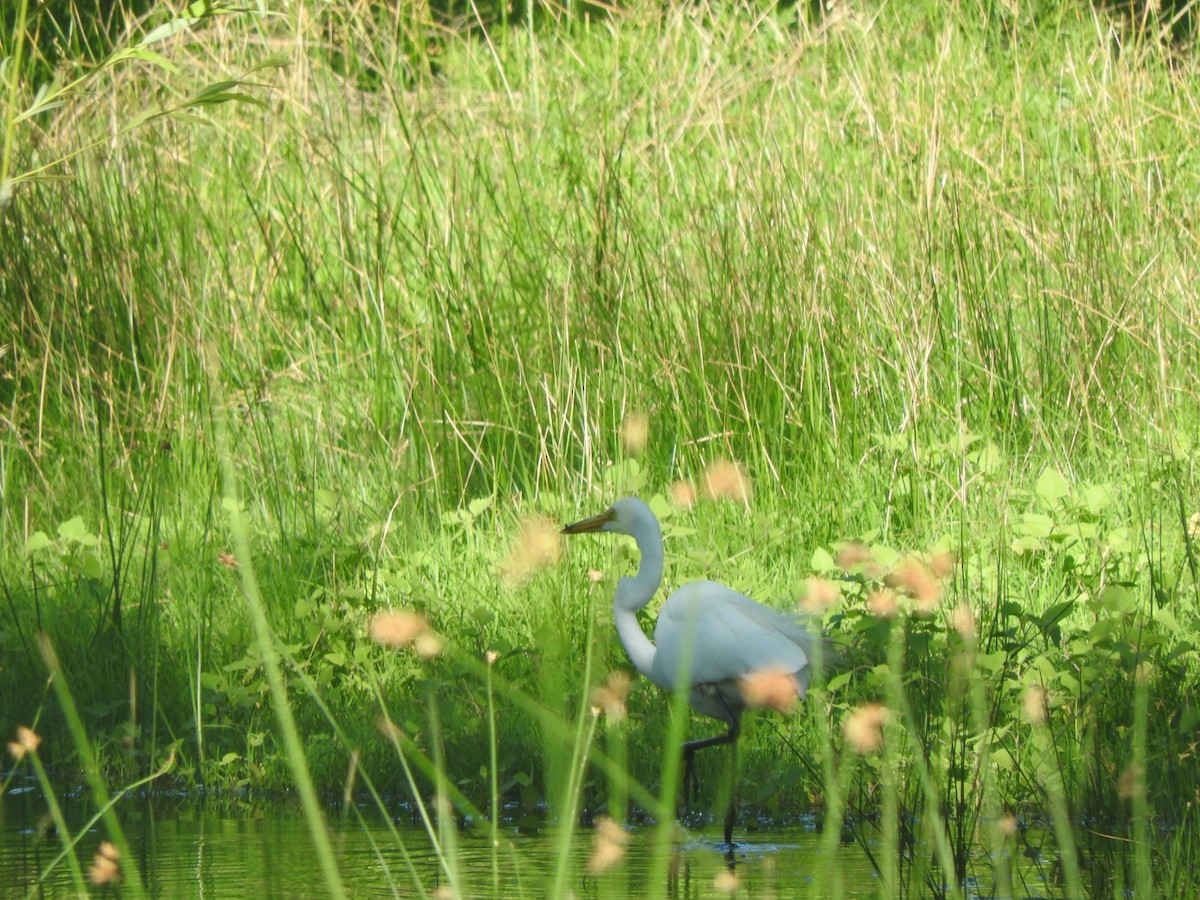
{"x":661,"y":507}
{"x":1026,"y":545}
{"x":838,"y":682}
{"x":1098,"y":498}
{"x":991,"y":662}
{"x":75,"y":530}
{"x":884,"y":555}
{"x":1117,"y":540}
{"x":39,"y":540}
{"x":91,"y":565}
{"x":1052,"y":486}
{"x":1117,"y":598}
{"x":1034,"y":525}
{"x":1167,"y":619}
{"x":821,"y":561}
{"x":1181,"y":650}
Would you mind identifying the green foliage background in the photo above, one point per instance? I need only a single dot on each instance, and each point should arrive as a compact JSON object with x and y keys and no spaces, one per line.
{"x":926,"y":270}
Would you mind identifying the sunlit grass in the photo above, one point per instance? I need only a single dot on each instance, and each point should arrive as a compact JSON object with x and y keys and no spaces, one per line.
{"x":910,"y":289}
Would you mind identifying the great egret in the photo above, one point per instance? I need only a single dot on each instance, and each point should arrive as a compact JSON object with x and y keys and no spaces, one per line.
{"x":707,"y":639}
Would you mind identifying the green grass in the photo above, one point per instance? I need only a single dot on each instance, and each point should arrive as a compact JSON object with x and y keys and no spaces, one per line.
{"x":926,"y":271}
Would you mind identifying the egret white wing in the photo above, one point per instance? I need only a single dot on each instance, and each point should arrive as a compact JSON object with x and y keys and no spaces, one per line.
{"x":721,"y":635}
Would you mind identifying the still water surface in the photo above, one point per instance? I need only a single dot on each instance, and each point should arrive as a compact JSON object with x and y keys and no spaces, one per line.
{"x":194,"y":850}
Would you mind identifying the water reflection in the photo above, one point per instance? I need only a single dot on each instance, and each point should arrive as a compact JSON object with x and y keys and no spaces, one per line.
{"x":187,"y":849}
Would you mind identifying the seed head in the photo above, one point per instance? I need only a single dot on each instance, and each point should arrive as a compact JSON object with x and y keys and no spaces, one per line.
{"x":683,"y":494}
{"x":608,"y":845}
{"x":1131,"y":782}
{"x":635,"y":430}
{"x":852,"y":555}
{"x":397,"y":627}
{"x":942,"y":564}
{"x":725,"y":882}
{"x":27,"y":742}
{"x":883,"y":603}
{"x":963,"y":621}
{"x":771,"y":688}
{"x":106,"y":865}
{"x":863,"y":728}
{"x":913,"y":577}
{"x":428,"y":645}
{"x":538,"y":546}
{"x":724,"y":480}
{"x":1033,"y":702}
{"x":819,"y":595}
{"x":610,"y":697}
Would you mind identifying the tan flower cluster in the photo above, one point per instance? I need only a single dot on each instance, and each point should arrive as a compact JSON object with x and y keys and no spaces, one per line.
{"x":725,"y":480}
{"x":538,"y":546}
{"x":1033,"y":702}
{"x":635,"y":432}
{"x":400,"y":627}
{"x":683,"y":494}
{"x":608,"y":845}
{"x":726,"y":882}
{"x":917,"y":580}
{"x":106,"y":865}
{"x":942,"y":564}
{"x":609,"y":698}
{"x":819,"y":595}
{"x":1131,"y":782}
{"x":863,"y":728}
{"x":962,"y":620}
{"x":856,"y":556}
{"x":769,"y":689}
{"x":27,"y":742}
{"x":883,"y":603}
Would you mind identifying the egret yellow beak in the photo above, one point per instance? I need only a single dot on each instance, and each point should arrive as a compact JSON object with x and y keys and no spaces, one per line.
{"x":592,"y":524}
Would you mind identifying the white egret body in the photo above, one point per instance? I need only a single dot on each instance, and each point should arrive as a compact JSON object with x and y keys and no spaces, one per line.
{"x":708,"y":636}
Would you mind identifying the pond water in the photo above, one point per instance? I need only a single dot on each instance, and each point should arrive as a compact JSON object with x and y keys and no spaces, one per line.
{"x":191,"y":849}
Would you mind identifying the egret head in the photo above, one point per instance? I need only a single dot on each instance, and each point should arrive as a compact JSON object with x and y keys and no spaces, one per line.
{"x":632,"y":517}
{"x":628,"y":515}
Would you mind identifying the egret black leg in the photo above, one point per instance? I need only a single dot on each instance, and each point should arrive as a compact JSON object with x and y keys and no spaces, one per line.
{"x":733,"y":792}
{"x":690,"y":786}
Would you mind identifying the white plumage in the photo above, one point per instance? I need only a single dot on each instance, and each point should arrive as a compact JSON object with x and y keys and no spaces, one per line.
{"x":708,"y":637}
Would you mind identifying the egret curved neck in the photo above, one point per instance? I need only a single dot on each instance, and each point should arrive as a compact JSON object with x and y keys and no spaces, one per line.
{"x":634,"y":593}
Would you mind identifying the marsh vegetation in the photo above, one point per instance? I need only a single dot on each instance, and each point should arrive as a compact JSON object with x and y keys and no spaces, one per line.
{"x":891,"y":314}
